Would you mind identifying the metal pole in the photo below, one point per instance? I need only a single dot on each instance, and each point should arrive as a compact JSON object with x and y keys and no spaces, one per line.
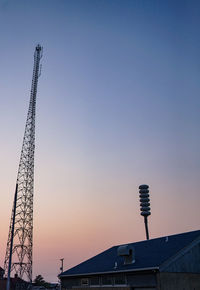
{"x":146,"y":227}
{"x":61,"y":268}
{"x":11,"y":242}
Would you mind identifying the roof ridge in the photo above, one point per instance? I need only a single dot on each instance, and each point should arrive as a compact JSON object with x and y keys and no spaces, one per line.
{"x":153,"y":239}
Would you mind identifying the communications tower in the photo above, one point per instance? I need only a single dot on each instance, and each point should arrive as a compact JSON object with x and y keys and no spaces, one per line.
{"x":18,"y":258}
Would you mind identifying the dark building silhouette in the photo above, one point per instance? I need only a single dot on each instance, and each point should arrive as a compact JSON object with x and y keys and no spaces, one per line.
{"x":166,"y":263}
{"x":15,"y":284}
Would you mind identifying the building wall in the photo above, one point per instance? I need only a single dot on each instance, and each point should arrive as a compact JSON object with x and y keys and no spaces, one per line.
{"x":100,"y":288}
{"x":143,"y":281}
{"x":107,"y":281}
{"x":188,"y":262}
{"x":178,"y":281}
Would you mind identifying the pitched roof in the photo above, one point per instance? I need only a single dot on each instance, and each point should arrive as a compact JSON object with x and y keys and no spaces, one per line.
{"x":148,"y":254}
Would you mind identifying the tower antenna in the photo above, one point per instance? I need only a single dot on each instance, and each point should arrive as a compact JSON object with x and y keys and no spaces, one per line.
{"x":18,"y":258}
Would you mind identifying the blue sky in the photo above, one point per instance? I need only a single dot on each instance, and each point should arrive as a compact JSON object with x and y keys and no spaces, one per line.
{"x":118,"y":105}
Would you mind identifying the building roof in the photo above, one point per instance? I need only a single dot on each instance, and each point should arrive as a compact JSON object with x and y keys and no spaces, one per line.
{"x":149,"y":254}
{"x":13,"y":283}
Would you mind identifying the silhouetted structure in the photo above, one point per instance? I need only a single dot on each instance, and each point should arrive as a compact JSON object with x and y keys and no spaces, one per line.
{"x":18,"y":257}
{"x":15,"y":284}
{"x":166,"y":263}
{"x":145,"y":205}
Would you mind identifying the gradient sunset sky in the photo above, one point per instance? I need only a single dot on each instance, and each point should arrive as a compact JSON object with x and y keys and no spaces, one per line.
{"x":118,"y":106}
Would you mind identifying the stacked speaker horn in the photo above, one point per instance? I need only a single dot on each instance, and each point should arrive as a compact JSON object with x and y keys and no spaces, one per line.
{"x":145,"y":205}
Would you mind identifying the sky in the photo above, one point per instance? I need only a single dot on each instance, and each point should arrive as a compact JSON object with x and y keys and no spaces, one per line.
{"x":117,"y":106}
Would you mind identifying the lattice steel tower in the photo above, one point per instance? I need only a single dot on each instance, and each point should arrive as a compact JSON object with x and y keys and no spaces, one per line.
{"x":18,"y":257}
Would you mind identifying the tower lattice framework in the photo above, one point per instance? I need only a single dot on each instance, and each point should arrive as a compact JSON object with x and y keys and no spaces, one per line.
{"x":18,"y":258}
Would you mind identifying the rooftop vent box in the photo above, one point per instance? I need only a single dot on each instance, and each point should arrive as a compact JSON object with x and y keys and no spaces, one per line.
{"x":128,"y":253}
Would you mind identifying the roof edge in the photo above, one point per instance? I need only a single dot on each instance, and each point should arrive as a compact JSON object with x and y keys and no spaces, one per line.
{"x":109,"y":272}
{"x":155,"y":238}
